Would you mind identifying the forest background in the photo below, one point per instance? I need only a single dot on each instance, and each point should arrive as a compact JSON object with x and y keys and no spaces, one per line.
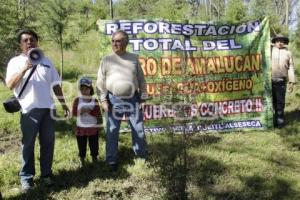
{"x":239,"y":165}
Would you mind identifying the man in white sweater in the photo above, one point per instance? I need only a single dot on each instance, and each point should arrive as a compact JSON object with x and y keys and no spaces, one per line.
{"x":282,"y":74}
{"x":122,"y":93}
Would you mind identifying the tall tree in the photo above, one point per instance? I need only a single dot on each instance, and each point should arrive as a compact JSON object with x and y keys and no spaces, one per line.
{"x":57,"y":19}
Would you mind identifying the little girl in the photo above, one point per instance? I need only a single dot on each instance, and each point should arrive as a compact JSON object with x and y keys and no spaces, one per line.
{"x":87,"y":110}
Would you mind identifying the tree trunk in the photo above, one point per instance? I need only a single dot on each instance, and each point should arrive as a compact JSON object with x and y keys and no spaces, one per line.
{"x":111,"y":9}
{"x":286,"y":12}
{"x":62,"y":57}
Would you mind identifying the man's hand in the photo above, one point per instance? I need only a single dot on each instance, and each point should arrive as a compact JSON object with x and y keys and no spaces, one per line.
{"x":105,"y":106}
{"x":59,"y":94}
{"x":290,"y":87}
{"x":28,"y":65}
{"x":141,"y":106}
{"x":66,"y":111}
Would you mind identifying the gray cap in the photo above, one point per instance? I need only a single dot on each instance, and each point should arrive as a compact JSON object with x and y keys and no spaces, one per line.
{"x":85,"y":81}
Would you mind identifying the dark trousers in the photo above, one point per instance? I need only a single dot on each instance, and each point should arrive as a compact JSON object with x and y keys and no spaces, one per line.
{"x":37,"y":122}
{"x":93,"y":144}
{"x":278,"y":93}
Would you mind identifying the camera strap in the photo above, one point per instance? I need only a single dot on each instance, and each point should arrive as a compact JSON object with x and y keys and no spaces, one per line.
{"x":26,"y":82}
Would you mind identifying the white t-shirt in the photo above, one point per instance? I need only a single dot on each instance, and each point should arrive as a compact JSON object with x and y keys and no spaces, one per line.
{"x":38,"y":92}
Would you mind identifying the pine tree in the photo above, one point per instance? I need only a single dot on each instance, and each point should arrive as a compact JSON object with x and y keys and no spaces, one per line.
{"x":58,"y":19}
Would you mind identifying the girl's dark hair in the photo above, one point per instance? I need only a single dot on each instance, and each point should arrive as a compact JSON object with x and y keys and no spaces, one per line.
{"x":92,"y":89}
{"x":26,"y":31}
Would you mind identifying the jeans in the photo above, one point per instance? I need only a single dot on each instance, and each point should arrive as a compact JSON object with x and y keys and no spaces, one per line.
{"x":278,"y":93}
{"x":129,"y":108}
{"x":37,"y":120}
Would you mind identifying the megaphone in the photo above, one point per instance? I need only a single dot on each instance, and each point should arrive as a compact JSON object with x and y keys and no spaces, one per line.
{"x":36,"y":56}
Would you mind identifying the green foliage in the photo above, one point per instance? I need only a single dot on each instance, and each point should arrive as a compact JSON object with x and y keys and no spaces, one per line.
{"x":164,"y":9}
{"x":65,"y":22}
{"x":260,"y":165}
{"x":252,"y":165}
{"x":171,"y":165}
{"x":7,"y":31}
{"x":134,"y":9}
{"x":267,"y":8}
{"x":9,"y":123}
{"x":56,"y":17}
{"x":82,"y":59}
{"x":56,"y":22}
{"x":236,"y":11}
{"x":171,"y":9}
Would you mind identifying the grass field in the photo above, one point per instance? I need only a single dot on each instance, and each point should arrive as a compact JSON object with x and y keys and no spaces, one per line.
{"x":250,"y":165}
{"x":238,"y":165}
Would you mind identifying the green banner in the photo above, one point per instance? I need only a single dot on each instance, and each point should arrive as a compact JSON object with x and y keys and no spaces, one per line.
{"x":200,"y":76}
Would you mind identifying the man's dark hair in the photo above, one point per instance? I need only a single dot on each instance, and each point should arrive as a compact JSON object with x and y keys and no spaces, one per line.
{"x":126,"y":37}
{"x":26,"y":31}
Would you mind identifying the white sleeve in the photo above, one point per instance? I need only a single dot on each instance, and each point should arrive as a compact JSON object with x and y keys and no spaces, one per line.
{"x":12,"y":68}
{"x":101,"y":81}
{"x":55,"y":78}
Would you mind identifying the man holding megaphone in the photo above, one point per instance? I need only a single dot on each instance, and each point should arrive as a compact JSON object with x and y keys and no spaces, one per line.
{"x":36,"y":56}
{"x":36,"y":101}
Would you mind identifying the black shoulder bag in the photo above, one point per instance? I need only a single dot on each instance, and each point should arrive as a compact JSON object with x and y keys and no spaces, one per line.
{"x":12,"y":104}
